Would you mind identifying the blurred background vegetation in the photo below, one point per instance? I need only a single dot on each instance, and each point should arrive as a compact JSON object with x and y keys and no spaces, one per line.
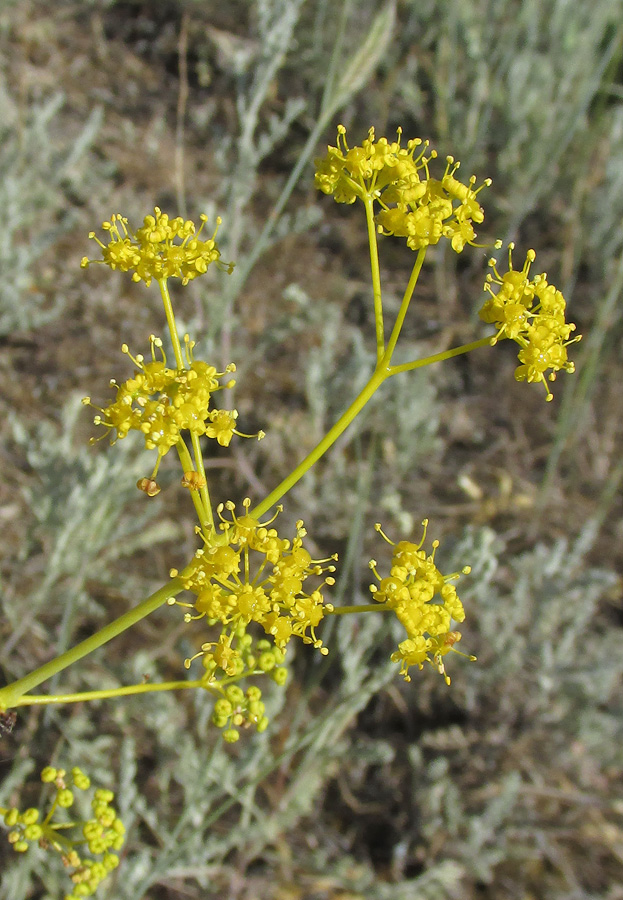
{"x":508,"y":783}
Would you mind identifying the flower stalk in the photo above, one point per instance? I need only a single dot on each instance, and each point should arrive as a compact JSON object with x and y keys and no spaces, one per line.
{"x":245,"y":574}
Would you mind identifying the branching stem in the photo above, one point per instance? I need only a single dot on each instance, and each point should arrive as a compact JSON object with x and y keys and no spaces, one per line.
{"x":11,"y":694}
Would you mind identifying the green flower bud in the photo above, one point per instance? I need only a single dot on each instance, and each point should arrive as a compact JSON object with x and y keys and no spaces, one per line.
{"x":266,"y":661}
{"x":223,"y":708}
{"x":234,"y":694}
{"x":279,"y":676}
{"x":81,"y":780}
{"x":29,"y":816}
{"x":65,"y":798}
{"x":110,"y":861}
{"x":11,"y":816}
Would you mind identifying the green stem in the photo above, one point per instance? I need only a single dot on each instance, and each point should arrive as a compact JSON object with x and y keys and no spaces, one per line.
{"x":404,"y":306}
{"x":203,"y":492}
{"x":364,"y":607}
{"x":376,"y":277}
{"x":168,"y":311}
{"x":206,"y":516}
{"x":327,"y":441}
{"x":439,"y":357}
{"x":51,"y":811}
{"x":41,"y":699}
{"x":381,"y":372}
{"x":11,"y":694}
{"x":188,"y":466}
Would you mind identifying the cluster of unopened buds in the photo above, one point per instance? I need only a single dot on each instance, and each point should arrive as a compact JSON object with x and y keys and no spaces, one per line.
{"x":102,"y":834}
{"x":424,"y":602}
{"x":237,"y":708}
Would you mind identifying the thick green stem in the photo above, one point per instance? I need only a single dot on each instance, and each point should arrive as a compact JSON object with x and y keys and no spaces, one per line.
{"x":321,"y":448}
{"x":11,"y":694}
{"x":43,"y":699}
{"x":377,"y":379}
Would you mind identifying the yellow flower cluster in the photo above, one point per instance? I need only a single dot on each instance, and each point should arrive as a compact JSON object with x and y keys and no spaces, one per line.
{"x":530,"y":312}
{"x":232,"y":592}
{"x":163,"y":248}
{"x":413,"y":205}
{"x":162,"y":402}
{"x":414,"y":582}
{"x":101,"y":834}
{"x":236,"y":708}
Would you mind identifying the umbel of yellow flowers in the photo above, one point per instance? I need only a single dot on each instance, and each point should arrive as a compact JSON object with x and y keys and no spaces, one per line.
{"x":163,"y":248}
{"x":414,"y":581}
{"x":162,"y":402}
{"x":531,"y":312}
{"x":412,"y":204}
{"x":254,"y":575}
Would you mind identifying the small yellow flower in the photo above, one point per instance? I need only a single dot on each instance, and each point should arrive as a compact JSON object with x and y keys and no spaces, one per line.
{"x":163,"y":248}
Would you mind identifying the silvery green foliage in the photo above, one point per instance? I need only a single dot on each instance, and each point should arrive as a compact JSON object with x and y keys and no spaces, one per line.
{"x":337,"y":62}
{"x":495,"y":68}
{"x":547,"y":660}
{"x":211,"y":806}
{"x":552,"y":659}
{"x":78,"y":500}
{"x":38,"y":169}
{"x":604,"y":237}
